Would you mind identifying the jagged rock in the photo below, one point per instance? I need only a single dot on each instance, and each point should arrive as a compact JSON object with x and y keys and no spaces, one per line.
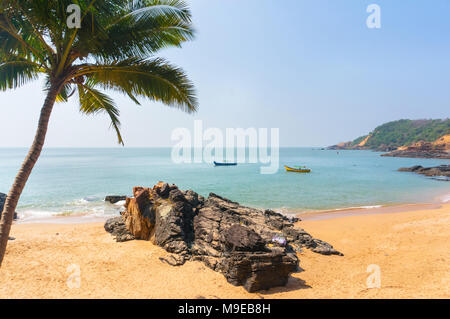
{"x":443,"y":170}
{"x":410,"y":169}
{"x":114,"y":198}
{"x":173,"y":260}
{"x":259,"y":270}
{"x":163,"y":190}
{"x":2,"y":203}
{"x":240,"y":238}
{"x":117,"y":228}
{"x":193,"y":198}
{"x":137,"y":217}
{"x":235,"y":240}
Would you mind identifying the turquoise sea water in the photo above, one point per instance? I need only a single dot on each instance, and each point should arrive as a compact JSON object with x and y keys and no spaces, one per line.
{"x":75,"y":181}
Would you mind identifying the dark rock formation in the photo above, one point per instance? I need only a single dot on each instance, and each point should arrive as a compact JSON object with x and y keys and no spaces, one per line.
{"x":2,"y":203}
{"x":173,"y":260}
{"x":443,"y":170}
{"x":251,"y":247}
{"x":240,"y":238}
{"x":114,"y":198}
{"x":117,"y":228}
{"x":418,"y":154}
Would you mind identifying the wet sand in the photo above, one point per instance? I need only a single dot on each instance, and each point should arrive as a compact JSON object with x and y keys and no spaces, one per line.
{"x":330,"y":214}
{"x":409,"y":245}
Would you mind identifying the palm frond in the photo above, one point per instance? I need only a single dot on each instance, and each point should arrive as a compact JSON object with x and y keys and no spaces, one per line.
{"x":16,"y":73}
{"x":19,"y":37}
{"x":65,"y":93}
{"x":154,"y":79}
{"x":159,"y":7}
{"x":114,"y":49}
{"x":139,"y":29}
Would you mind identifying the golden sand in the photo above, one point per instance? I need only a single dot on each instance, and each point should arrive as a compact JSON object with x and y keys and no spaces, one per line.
{"x":411,"y":249}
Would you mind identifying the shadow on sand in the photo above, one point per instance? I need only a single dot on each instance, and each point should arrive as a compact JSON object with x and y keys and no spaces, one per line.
{"x":293,"y":284}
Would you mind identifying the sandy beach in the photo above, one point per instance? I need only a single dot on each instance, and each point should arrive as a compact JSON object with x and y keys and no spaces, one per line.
{"x":410,"y":246}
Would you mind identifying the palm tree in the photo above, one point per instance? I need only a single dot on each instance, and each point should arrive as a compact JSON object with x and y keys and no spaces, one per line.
{"x":114,"y":48}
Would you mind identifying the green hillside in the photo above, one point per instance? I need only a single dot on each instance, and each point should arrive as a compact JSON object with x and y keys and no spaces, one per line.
{"x":405,"y":132}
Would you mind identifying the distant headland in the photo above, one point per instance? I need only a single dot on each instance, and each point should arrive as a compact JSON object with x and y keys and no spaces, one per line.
{"x":405,"y":138}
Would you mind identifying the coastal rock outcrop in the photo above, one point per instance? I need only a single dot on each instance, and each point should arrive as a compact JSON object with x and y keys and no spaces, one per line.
{"x":2,"y":203}
{"x":437,"y":149}
{"x":423,"y":138}
{"x":114,"y":198}
{"x":117,"y":228}
{"x":443,"y":170}
{"x":250,"y":247}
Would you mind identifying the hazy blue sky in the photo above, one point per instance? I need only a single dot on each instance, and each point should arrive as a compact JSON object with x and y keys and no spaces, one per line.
{"x":309,"y":67}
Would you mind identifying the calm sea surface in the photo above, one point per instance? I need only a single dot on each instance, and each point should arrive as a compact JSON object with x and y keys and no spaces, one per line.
{"x":75,"y":181}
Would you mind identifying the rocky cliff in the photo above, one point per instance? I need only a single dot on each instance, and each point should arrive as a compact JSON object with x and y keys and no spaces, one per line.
{"x":437,"y":149}
{"x":250,"y":247}
{"x":405,"y":138}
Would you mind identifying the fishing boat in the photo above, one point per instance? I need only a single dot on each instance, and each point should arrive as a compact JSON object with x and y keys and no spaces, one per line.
{"x":224,"y":164}
{"x":297,"y":169}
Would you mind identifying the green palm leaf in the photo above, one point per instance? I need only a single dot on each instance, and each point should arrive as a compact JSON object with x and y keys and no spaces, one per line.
{"x":15,"y":73}
{"x":93,"y":101}
{"x":154,"y":79}
{"x":148,"y":25}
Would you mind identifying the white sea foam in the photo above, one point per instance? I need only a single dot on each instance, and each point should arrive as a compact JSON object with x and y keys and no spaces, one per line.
{"x":445,"y":198}
{"x":365,"y":207}
{"x":289,"y":212}
{"x":120,"y":203}
{"x":30,"y":214}
{"x":84,"y":208}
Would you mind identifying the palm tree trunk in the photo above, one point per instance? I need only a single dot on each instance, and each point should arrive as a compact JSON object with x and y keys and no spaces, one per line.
{"x":25,"y":170}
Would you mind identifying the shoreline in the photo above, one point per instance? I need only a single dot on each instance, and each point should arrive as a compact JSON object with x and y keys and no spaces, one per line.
{"x":305,"y":216}
{"x":439,"y":200}
{"x":364,"y":211}
{"x":61,"y":220}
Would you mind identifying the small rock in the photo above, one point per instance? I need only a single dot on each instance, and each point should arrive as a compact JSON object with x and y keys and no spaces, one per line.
{"x":2,"y":203}
{"x":173,"y":260}
{"x":114,"y":198}
{"x":442,"y":170}
{"x":117,"y":228}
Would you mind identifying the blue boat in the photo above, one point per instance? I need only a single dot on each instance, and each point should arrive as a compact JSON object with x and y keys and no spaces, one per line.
{"x":224,"y":164}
